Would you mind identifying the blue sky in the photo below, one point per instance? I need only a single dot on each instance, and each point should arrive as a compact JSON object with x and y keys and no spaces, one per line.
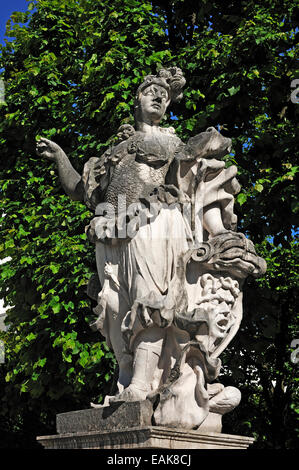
{"x":6,"y":9}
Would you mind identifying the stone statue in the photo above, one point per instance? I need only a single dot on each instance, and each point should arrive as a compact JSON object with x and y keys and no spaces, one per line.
{"x":170,"y":265}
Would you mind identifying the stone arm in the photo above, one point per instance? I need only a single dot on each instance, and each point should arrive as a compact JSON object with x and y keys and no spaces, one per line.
{"x":70,"y":180}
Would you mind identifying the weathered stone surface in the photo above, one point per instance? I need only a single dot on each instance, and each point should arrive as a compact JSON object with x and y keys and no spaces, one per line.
{"x":116,"y":416}
{"x":151,"y":437}
{"x":212,"y":423}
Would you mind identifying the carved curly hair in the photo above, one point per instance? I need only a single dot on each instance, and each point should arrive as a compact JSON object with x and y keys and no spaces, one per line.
{"x":172,"y":79}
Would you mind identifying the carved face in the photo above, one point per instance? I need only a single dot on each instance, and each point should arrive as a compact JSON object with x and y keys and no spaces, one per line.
{"x":219,"y":318}
{"x":153,"y":102}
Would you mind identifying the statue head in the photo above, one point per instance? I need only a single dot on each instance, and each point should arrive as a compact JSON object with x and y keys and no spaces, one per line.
{"x":156,"y":92}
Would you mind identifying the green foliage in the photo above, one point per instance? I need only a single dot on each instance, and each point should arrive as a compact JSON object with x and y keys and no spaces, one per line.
{"x":70,"y":74}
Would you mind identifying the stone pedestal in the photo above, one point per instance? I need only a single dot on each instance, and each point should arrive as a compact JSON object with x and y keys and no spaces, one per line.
{"x":129,"y":426}
{"x":150,"y":437}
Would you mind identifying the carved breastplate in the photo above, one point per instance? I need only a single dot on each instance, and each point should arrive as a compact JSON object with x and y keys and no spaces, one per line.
{"x":142,"y":168}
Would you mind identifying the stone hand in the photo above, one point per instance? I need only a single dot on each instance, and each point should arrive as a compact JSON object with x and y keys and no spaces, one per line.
{"x":47,"y":149}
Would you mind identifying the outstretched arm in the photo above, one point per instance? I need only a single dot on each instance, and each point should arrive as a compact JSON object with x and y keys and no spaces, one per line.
{"x":70,"y":180}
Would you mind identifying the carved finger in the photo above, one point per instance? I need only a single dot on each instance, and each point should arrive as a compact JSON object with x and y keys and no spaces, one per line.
{"x":41,"y":146}
{"x":46,"y":141}
{"x":239,"y":264}
{"x":40,"y":151}
{"x":231,"y":254}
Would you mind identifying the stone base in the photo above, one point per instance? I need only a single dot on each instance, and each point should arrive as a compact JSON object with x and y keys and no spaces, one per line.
{"x":106,"y":418}
{"x":130,"y":426}
{"x":150,"y":437}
